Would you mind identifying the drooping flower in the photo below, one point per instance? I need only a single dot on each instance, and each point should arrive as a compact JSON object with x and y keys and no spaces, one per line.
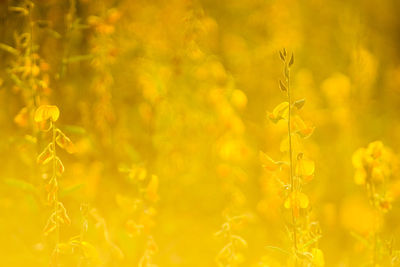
{"x":45,"y":112}
{"x":296,"y":201}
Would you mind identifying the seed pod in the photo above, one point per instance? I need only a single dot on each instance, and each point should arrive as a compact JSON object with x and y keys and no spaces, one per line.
{"x":62,"y":214}
{"x":281,"y":56}
{"x":19,"y":10}
{"x":46,"y":156}
{"x":43,"y":23}
{"x":291,"y":60}
{"x":65,"y":143}
{"x":299,"y":103}
{"x":282,"y":86}
{"x":59,"y":167}
{"x":50,"y":225}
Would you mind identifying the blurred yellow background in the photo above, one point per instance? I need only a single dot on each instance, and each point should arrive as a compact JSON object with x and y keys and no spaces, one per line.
{"x":166,"y":105}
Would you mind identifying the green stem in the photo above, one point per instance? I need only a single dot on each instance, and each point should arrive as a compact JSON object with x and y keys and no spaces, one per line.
{"x":54,"y":176}
{"x":67,"y":37}
{"x":292,"y":182}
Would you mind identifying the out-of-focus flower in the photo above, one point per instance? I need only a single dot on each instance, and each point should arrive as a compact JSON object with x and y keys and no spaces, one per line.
{"x":45,"y":112}
{"x":372,"y":163}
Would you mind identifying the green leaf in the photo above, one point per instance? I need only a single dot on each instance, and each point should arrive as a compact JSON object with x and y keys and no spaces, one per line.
{"x":9,"y":49}
{"x":281,"y":56}
{"x":282,"y":86}
{"x":74,"y":129}
{"x":69,"y":190}
{"x":278,"y":249}
{"x":18,"y":9}
{"x":360,"y":238}
{"x":22,"y":185}
{"x":77,"y":58}
{"x":53,"y":33}
{"x":42,"y":23}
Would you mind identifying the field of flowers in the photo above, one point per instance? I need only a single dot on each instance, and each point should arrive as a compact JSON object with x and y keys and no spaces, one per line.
{"x":231,"y":133}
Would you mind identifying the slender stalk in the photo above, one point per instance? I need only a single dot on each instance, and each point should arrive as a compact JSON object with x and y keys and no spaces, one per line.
{"x":32,"y":103}
{"x":67,"y":38}
{"x":371,"y":193}
{"x":32,"y":56}
{"x":54,"y":176}
{"x":292,"y":181}
{"x":377,"y":217}
{"x":371,"y":196}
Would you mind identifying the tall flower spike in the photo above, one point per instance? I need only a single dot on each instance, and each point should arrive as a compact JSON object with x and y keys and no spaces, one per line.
{"x":373,"y":169}
{"x":301,"y":171}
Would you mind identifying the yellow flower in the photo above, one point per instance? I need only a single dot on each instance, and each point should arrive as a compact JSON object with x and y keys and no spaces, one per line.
{"x":297,"y":200}
{"x":298,"y":126}
{"x":296,"y":143}
{"x":377,"y":174}
{"x":358,"y":158}
{"x":375,"y":149}
{"x":239,"y":99}
{"x":360,"y":176}
{"x":305,"y":168}
{"x":372,"y":163}
{"x":45,"y":112}
{"x":280,"y":112}
{"x":385,"y":203}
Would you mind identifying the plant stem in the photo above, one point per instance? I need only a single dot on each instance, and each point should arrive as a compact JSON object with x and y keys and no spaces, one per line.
{"x":67,"y":38}
{"x":57,"y":230}
{"x":292,"y":182}
{"x":32,"y":103}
